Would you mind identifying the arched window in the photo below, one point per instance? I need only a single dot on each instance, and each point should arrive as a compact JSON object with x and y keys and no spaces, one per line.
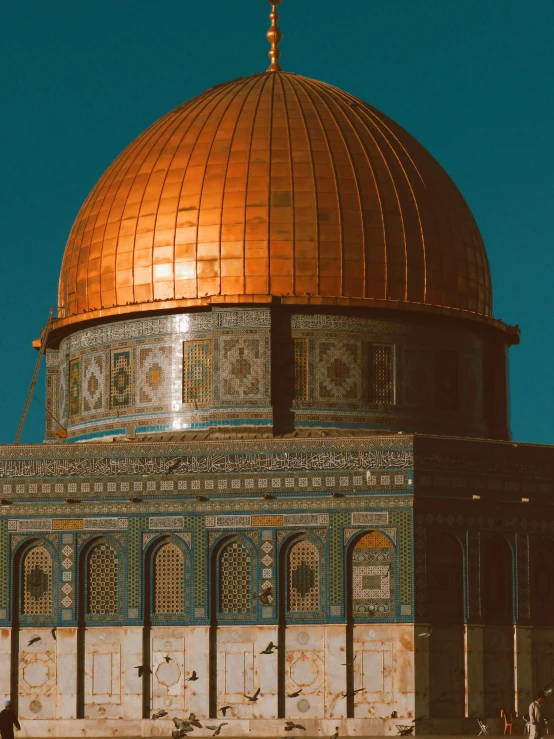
{"x":303,"y":578}
{"x":445,"y":578}
{"x":372,"y":560}
{"x":235,"y":582}
{"x":542,"y":580}
{"x":37,"y":582}
{"x":169,"y":580}
{"x":102,"y":581}
{"x":497,"y":580}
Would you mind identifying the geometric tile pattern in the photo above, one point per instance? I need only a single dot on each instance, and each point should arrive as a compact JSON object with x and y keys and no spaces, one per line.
{"x":235,"y":589}
{"x":372,"y":576}
{"x":169,"y":580}
{"x":381,"y":374}
{"x":301,"y":369}
{"x":303,"y":577}
{"x":94,"y":382}
{"x":121,"y":394}
{"x":339,"y":370}
{"x":74,"y":388}
{"x":242,"y":368}
{"x":102,"y":581}
{"x":37,"y":582}
{"x":154,"y":374}
{"x":197,"y":371}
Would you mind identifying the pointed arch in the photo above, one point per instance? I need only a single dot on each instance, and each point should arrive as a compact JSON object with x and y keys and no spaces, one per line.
{"x":34,"y":577}
{"x":101,"y":592}
{"x":497,"y":580}
{"x":301,"y":564}
{"x":167,"y":572}
{"x":235,"y":567}
{"x":445,"y":558}
{"x":371,"y":576}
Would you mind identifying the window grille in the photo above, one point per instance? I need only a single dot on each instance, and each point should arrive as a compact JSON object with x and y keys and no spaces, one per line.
{"x":169,"y":580}
{"x":303,"y":577}
{"x":373,"y":577}
{"x":102,"y":594}
{"x":382,"y":374}
{"x":37,"y":582}
{"x":235,"y":589}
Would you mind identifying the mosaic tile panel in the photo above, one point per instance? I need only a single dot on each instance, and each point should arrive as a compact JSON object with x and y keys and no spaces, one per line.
{"x":373,"y":577}
{"x":52,"y":402}
{"x":74,"y":388}
{"x":94,"y":383}
{"x":37,"y":582}
{"x":301,"y":390}
{"x":339,"y":371}
{"x":197,"y":371}
{"x":382,"y":373}
{"x":304,"y":575}
{"x":121,"y":379}
{"x":154,"y":375}
{"x":235,"y":587}
{"x":242,"y":368}
{"x":102,"y":581}
{"x":169,"y":579}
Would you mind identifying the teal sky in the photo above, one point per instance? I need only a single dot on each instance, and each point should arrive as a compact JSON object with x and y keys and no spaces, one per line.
{"x":471,"y":79}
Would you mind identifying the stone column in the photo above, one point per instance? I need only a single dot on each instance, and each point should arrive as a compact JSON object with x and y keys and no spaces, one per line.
{"x":131,"y":683}
{"x":335,"y":671}
{"x":197,"y":651}
{"x":5,"y":663}
{"x":523,"y":668}
{"x":66,"y":648}
{"x":421,"y":671}
{"x":474,"y":675}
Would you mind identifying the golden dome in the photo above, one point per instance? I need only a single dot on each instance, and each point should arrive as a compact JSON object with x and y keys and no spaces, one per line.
{"x":274,"y":187}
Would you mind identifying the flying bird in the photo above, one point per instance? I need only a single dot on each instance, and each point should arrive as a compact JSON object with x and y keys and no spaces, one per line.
{"x":290,"y":725}
{"x":34,"y":640}
{"x":216,"y":729}
{"x":426,"y":634}
{"x":160,"y":714}
{"x":269,"y":649}
{"x":394,"y":714}
{"x":193,"y":721}
{"x":54,"y":631}
{"x":142,"y":669}
{"x":352,"y":692}
{"x":336,"y":734}
{"x":295,"y":694}
{"x":180,"y":723}
{"x":253,"y":698}
{"x":168,"y":658}
{"x":193,"y":677}
{"x":224,"y":710}
{"x":349,"y":663}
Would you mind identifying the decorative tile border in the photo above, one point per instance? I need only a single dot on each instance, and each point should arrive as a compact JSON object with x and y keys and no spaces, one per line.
{"x":64,"y":524}
{"x":284,"y":519}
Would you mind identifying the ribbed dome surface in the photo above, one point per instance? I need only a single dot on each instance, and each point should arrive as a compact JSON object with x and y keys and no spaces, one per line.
{"x":274,"y":185}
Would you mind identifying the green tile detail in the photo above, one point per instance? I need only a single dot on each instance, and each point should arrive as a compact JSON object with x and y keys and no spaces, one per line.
{"x":199,"y":546}
{"x":4,"y":557}
{"x":337,"y":523}
{"x":134,"y":579}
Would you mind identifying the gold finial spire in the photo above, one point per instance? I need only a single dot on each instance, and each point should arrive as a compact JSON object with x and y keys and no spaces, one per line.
{"x":274,"y":35}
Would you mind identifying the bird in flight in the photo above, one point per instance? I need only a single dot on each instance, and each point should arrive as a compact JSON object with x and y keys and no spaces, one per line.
{"x":193,"y":721}
{"x":193,"y":676}
{"x":253,"y":698}
{"x":290,"y":725}
{"x":160,"y":714}
{"x":168,"y":658}
{"x":295,"y":694}
{"x":336,"y":734}
{"x":352,"y":692}
{"x":224,"y":710}
{"x":34,"y":640}
{"x":269,"y":649}
{"x":54,"y":631}
{"x":142,"y":669}
{"x":349,"y":663}
{"x":217,"y":729}
{"x":426,"y":634}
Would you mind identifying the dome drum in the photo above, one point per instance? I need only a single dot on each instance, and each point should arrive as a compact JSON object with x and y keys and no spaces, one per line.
{"x":273,"y":370}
